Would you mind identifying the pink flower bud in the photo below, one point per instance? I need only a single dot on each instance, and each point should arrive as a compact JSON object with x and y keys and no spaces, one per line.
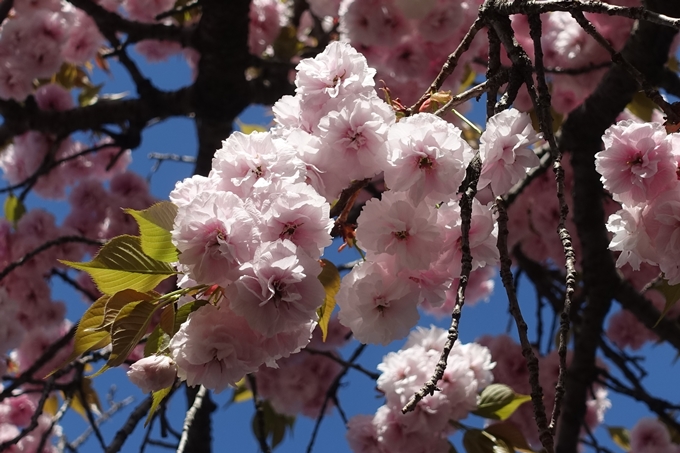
{"x":153,"y":373}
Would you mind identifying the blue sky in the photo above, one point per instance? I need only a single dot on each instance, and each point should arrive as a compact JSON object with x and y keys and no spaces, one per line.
{"x":231,"y":426}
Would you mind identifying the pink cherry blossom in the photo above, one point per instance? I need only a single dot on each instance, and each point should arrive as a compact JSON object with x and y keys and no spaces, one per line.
{"x":505,"y":150}
{"x":650,"y":436}
{"x":298,"y":213}
{"x":278,"y":289}
{"x":215,"y":348}
{"x":336,"y":72}
{"x":377,"y":305}
{"x":397,"y":227}
{"x":428,"y":158}
{"x":637,"y":163}
{"x":215,"y":234}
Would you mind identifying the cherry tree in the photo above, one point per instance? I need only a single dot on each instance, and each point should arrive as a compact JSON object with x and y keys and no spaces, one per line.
{"x":570,"y":184}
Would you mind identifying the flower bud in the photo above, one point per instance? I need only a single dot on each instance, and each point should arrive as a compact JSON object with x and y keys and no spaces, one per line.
{"x":153,"y":373}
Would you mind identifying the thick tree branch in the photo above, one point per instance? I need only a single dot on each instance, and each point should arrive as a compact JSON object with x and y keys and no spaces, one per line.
{"x":647,"y":50}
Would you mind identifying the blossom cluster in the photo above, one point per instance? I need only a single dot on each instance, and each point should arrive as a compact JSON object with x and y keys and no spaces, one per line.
{"x":639,"y":166}
{"x":257,"y":224}
{"x":426,"y":429}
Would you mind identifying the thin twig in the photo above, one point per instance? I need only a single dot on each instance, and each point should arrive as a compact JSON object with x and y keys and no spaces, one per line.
{"x":45,"y":246}
{"x":130,"y":425}
{"x":332,"y":390}
{"x":527,"y":350}
{"x":470,"y":185}
{"x":370,"y":374}
{"x":189,"y":419}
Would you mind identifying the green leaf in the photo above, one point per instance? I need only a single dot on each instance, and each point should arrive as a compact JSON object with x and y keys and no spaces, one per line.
{"x":156,"y":342}
{"x":620,"y":436}
{"x":155,"y":225}
{"x":641,"y":106}
{"x":671,"y":293}
{"x":87,"y":338}
{"x":121,"y":264}
{"x":128,"y":328}
{"x":89,"y":95}
{"x":330,"y":279}
{"x":185,"y":310}
{"x":275,"y":424}
{"x":14,"y":209}
{"x":250,"y":128}
{"x":167,"y":322}
{"x":498,"y":402}
{"x":510,"y":433}
{"x":477,"y":441}
{"x":157,"y":399}
{"x":118,"y":301}
{"x":241,"y":392}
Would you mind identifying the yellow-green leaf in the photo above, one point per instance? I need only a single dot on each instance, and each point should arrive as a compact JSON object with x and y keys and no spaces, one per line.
{"x":121,"y":264}
{"x":89,"y":95}
{"x":156,"y":342}
{"x":118,"y":301}
{"x":511,"y":434}
{"x":14,"y":209}
{"x":477,"y":441}
{"x":185,"y":310}
{"x":250,"y":128}
{"x":498,"y":402}
{"x":128,"y":328}
{"x":641,"y":106}
{"x":51,"y":405}
{"x":167,"y":322}
{"x":620,"y":436}
{"x":86,"y":338}
{"x":330,"y":279}
{"x":157,"y":399}
{"x":86,"y":398}
{"x":155,"y":225}
{"x":241,"y":392}
{"x":671,"y":293}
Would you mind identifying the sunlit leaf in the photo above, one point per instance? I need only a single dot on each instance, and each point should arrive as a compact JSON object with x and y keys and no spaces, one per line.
{"x":250,"y":128}
{"x":89,"y":95}
{"x":241,"y":392}
{"x":620,"y":436}
{"x":157,"y":399}
{"x":498,"y":402}
{"x":14,"y":209}
{"x":155,"y":225}
{"x":121,"y":264}
{"x":128,"y":328}
{"x":641,"y":106}
{"x":671,"y":294}
{"x":116,"y":302}
{"x":156,"y":342}
{"x":330,"y":279}
{"x":86,"y":338}
{"x":51,"y":406}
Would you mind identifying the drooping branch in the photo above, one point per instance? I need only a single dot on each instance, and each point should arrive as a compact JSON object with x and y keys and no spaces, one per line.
{"x":545,"y":434}
{"x":470,"y":190}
